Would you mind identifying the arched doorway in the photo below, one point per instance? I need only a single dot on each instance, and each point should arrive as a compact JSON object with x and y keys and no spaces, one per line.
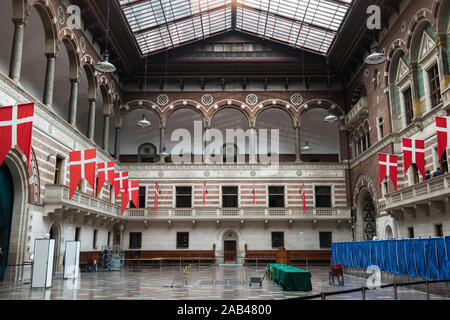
{"x":230,"y":245}
{"x":55,"y":234}
{"x":6,"y":205}
{"x":366,"y":215}
{"x":388,"y":234}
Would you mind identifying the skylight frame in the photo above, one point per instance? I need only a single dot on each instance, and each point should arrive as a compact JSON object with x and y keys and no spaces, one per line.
{"x":306,"y":24}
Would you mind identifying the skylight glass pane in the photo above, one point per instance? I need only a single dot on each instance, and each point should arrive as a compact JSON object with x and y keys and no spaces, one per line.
{"x":160,"y":24}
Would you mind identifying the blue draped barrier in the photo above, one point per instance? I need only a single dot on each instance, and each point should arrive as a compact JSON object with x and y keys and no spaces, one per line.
{"x":424,"y":258}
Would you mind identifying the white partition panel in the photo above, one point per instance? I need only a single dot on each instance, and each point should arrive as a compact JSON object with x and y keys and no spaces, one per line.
{"x":72,"y":260}
{"x":43,"y":263}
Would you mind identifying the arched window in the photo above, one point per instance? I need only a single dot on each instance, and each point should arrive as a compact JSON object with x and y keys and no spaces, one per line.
{"x":147,"y":153}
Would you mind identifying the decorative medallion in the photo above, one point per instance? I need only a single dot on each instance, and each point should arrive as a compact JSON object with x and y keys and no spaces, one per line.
{"x":207,"y":99}
{"x":296,"y":99}
{"x":206,"y":173}
{"x":162,"y":99}
{"x":82,"y":45}
{"x":252,"y":99}
{"x":61,"y":16}
{"x":299,"y":173}
{"x":252,"y":173}
{"x":160,"y":173}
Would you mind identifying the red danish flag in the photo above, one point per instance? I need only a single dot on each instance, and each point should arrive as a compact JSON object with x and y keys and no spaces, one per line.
{"x":303,"y":197}
{"x":414,"y":152}
{"x":16,"y":126}
{"x":205,"y":192}
{"x":442,"y":134}
{"x":156,"y":196}
{"x":105,"y":170}
{"x":388,"y":167}
{"x":133,"y":192}
{"x":254,"y":195}
{"x":121,"y":183}
{"x":82,"y":166}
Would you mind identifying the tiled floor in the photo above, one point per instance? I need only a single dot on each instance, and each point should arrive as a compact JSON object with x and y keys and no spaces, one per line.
{"x":166,"y":283}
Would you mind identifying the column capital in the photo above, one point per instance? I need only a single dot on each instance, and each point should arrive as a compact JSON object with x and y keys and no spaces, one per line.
{"x":441,"y":40}
{"x":19,"y":22}
{"x":51,"y":55}
{"x":75,"y":81}
{"x":92,"y":101}
{"x":412,"y":67}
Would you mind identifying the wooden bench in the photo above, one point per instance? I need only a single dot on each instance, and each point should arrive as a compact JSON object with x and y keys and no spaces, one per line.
{"x":312,"y":257}
{"x":260,"y":256}
{"x":170,"y":256}
{"x":86,"y":256}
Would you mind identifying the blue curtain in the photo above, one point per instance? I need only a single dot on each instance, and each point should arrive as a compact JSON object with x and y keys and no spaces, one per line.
{"x":425,"y":258}
{"x":6,"y":205}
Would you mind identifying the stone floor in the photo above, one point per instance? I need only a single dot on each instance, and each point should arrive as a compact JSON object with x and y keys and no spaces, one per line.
{"x":166,"y":283}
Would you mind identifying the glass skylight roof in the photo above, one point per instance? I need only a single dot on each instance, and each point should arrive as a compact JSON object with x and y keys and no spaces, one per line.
{"x":162,"y":24}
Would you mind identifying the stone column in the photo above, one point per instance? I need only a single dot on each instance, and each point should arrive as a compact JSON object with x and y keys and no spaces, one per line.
{"x":73,"y":101}
{"x":49,"y":79}
{"x":252,"y":146}
{"x":441,"y":42}
{"x":162,"y":139}
{"x":15,"y":65}
{"x":105,"y":132}
{"x":117,"y":144}
{"x":415,"y":90}
{"x":297,"y":145}
{"x":91,"y":124}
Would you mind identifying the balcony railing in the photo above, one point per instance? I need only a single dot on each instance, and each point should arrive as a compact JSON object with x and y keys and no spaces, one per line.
{"x":239,"y":213}
{"x":434,"y":189}
{"x":358,"y":111}
{"x":57,"y":200}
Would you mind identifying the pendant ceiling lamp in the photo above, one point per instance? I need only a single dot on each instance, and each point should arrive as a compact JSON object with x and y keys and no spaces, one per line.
{"x":143,"y":123}
{"x":331,"y":117}
{"x":306,"y":147}
{"x":376,"y":57}
{"x":105,"y":66}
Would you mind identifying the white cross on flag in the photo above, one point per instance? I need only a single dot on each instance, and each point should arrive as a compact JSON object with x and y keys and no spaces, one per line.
{"x":82,"y":166}
{"x":388,"y":167}
{"x":131,"y":195}
{"x":105,"y":170}
{"x":120,"y":182}
{"x":414,"y":152}
{"x":442,"y":134}
{"x":16,"y":126}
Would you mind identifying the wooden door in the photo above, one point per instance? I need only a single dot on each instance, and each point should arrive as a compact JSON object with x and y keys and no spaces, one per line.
{"x":229,"y":251}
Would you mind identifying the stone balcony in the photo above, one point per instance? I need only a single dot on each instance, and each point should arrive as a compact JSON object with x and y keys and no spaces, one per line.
{"x":242,"y":214}
{"x":357,"y":112}
{"x":422,"y":197}
{"x":81,"y":206}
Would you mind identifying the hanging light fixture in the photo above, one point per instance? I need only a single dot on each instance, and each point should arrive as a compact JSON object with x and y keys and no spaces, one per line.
{"x":105,"y":66}
{"x":143,"y":123}
{"x":306,"y":147}
{"x":331,"y":117}
{"x":376,"y":57}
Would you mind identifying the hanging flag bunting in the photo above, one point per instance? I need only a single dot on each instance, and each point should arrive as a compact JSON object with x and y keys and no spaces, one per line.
{"x":414,"y":152}
{"x":388,"y":167}
{"x":442,"y":134}
{"x":254,"y":195}
{"x":205,"y":192}
{"x":156,"y":196}
{"x":124,"y":199}
{"x":120,"y":182}
{"x":303,"y":197}
{"x":105,"y":171}
{"x":16,"y":126}
{"x":82,"y":166}
{"x":133,"y":193}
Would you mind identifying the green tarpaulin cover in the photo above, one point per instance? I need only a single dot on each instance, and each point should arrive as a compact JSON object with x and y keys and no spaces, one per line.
{"x":290,"y":278}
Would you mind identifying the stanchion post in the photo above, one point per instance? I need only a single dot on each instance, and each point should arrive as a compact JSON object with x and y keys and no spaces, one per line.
{"x":395,"y":292}
{"x":363,"y":291}
{"x":323,"y":296}
{"x":428,"y":289}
